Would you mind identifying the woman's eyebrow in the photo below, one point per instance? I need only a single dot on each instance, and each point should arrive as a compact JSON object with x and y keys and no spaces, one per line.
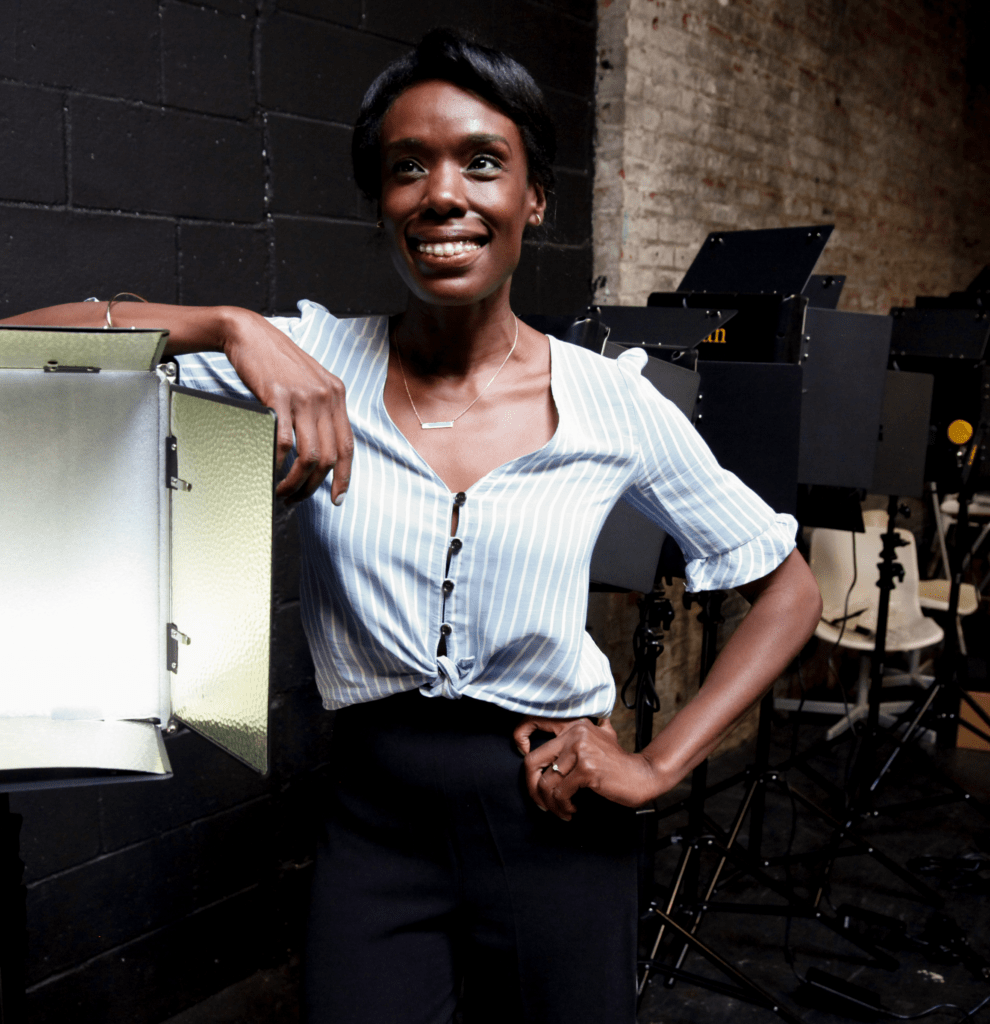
{"x":474,"y":139}
{"x":480,"y":138}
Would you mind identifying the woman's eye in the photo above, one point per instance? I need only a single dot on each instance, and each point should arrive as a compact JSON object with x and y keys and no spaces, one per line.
{"x":405,"y":166}
{"x":484,"y":162}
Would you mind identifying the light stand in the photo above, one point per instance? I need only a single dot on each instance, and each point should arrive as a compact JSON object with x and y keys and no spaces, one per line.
{"x":13,"y":919}
{"x":943,"y":695}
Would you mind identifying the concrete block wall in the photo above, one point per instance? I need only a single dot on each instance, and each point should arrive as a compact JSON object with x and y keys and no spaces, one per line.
{"x":198,"y":152}
{"x":733,"y":114}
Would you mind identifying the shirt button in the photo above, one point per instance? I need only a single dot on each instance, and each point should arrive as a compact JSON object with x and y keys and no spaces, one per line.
{"x":459,"y":498}
{"x":448,"y":586}
{"x":445,"y":629}
{"x":456,"y":544}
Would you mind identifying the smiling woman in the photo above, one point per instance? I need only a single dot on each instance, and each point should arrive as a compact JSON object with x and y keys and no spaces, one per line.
{"x":478,"y":855}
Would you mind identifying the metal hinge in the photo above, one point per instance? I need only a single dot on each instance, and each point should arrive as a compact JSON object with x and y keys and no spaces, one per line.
{"x":172,"y":479}
{"x":174,"y":637}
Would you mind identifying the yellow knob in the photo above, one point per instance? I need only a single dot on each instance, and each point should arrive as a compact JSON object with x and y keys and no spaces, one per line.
{"x":959,"y":431}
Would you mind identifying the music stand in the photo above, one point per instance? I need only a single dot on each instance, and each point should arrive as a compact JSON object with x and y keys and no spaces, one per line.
{"x":823,"y":290}
{"x":771,"y":260}
{"x":674,"y":335}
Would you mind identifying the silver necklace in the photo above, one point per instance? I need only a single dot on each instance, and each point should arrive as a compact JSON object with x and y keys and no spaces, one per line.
{"x":449,"y":423}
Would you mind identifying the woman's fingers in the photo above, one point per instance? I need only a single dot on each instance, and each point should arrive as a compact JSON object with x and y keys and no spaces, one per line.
{"x":309,"y":401}
{"x":587,"y":756}
{"x":533,"y":723}
{"x":344,"y":444}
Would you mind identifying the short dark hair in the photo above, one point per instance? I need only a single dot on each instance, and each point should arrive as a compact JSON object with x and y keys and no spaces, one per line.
{"x":450,"y":57}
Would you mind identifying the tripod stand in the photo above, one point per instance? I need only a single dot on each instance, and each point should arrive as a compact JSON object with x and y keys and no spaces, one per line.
{"x":681,"y":911}
{"x":857,"y":800}
{"x":944,"y":694}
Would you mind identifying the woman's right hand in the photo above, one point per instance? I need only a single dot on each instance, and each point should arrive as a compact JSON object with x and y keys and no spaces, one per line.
{"x":308,"y":400}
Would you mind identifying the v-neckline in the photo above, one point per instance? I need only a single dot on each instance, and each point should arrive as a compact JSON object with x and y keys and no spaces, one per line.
{"x":495,"y":470}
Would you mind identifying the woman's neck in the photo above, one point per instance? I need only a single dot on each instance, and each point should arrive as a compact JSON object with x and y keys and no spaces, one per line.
{"x":453,"y":341}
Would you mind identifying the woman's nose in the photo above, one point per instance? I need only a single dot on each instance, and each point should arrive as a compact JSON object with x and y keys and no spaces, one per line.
{"x":445,"y":192}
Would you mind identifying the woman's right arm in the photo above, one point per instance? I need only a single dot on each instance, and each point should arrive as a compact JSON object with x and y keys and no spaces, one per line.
{"x":308,"y":400}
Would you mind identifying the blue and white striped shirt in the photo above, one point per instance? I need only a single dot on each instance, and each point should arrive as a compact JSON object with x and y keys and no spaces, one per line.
{"x":513,"y":610}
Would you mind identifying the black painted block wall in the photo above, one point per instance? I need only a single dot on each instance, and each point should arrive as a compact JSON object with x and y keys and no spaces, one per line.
{"x":198,"y":152}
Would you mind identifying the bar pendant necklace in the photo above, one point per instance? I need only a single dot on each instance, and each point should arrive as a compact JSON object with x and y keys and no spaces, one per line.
{"x":443,"y":424}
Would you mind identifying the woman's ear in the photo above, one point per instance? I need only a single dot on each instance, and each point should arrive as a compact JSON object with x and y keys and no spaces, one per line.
{"x":539,"y":206}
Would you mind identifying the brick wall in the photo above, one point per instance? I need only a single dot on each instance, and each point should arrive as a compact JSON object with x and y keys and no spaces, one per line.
{"x":199,"y":153}
{"x":728,"y":114}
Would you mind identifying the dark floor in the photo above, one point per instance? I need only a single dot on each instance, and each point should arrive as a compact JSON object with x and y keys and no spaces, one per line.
{"x":925,"y":975}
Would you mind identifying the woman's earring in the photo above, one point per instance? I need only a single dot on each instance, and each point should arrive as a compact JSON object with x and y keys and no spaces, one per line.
{"x":539,"y":219}
{"x":381,"y":224}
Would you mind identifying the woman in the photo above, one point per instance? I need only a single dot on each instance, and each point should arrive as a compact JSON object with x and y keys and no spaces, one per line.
{"x":486,"y":457}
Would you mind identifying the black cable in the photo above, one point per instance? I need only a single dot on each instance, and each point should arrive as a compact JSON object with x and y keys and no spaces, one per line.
{"x":966,"y":1014}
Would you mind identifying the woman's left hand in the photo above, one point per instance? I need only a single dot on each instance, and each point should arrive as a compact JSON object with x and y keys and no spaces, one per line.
{"x":587,"y":756}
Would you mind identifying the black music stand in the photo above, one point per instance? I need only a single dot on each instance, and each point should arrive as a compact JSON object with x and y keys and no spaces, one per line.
{"x":823,"y":290}
{"x":771,"y":260}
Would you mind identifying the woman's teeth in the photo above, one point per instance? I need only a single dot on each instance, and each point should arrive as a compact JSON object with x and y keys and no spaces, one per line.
{"x":446,"y":248}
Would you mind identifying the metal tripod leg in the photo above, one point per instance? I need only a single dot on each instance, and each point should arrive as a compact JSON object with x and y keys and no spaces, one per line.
{"x":747,"y":989}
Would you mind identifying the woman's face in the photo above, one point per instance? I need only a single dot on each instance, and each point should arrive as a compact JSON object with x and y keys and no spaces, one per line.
{"x":456,"y":195}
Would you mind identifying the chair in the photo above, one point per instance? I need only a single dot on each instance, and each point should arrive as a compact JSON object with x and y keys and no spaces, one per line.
{"x":946,"y":515}
{"x":908,"y":629}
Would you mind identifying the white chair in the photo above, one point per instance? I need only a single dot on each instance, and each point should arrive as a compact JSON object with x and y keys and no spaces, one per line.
{"x":908,"y":629}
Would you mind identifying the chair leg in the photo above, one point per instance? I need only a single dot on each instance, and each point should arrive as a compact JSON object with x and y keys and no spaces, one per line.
{"x":858,"y":711}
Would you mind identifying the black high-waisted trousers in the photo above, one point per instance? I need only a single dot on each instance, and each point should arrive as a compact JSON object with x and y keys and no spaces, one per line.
{"x":440,"y":886}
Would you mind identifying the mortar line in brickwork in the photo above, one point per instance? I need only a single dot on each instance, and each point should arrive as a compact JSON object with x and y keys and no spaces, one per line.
{"x":154,"y":107}
{"x":179,"y":289}
{"x":116,"y":950}
{"x":271,"y":266}
{"x":161,"y":54}
{"x":557,"y":12}
{"x":319,"y":218}
{"x":67,"y":155}
{"x":94,"y":211}
{"x":184,"y":220}
{"x":290,"y":115}
{"x":128,"y":848}
{"x":562,"y":246}
{"x":313,"y":19}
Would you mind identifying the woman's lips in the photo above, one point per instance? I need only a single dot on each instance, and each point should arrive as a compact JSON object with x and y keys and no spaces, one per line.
{"x":446,"y":248}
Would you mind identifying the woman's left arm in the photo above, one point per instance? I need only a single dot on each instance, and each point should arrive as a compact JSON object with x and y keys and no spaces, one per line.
{"x":785,"y":609}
